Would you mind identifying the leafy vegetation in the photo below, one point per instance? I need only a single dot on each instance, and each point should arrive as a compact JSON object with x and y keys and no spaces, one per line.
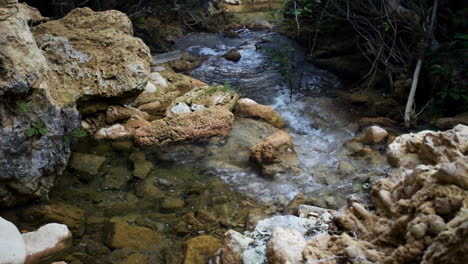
{"x":75,"y":135}
{"x":23,"y":106}
{"x":225,"y":88}
{"x":37,"y":129}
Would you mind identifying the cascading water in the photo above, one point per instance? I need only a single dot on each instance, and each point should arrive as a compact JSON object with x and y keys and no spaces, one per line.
{"x":317,"y":124}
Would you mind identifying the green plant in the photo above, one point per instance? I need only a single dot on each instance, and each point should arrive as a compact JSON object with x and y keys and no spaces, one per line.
{"x":75,"y":136}
{"x":23,"y":106}
{"x":37,"y":129}
{"x":283,"y":56}
{"x":225,"y":88}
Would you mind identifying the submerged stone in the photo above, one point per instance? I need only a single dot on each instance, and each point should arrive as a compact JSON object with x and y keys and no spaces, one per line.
{"x":201,"y":249}
{"x":122,"y":235}
{"x":87,"y":163}
{"x":172,"y":204}
{"x":142,"y":168}
{"x":116,"y":178}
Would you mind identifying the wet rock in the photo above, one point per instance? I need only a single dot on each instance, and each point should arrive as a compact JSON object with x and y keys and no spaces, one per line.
{"x":186,"y":63}
{"x":201,"y":249}
{"x":123,"y":146}
{"x":46,"y":242}
{"x":234,"y":246}
{"x":345,"y":168}
{"x":215,"y":121}
{"x":248,"y":108}
{"x":136,"y":258}
{"x":141,"y":168}
{"x":73,"y":217}
{"x":122,"y":235}
{"x":259,"y":25}
{"x":72,"y":46}
{"x":86,"y":163}
{"x":449,"y":122}
{"x":12,"y":246}
{"x":172,"y":204}
{"x":147,"y":189}
{"x":119,"y":113}
{"x":116,"y":178}
{"x":275,"y":155}
{"x":374,"y":135}
{"x":96,"y":248}
{"x":285,"y":246}
{"x":232,"y":55}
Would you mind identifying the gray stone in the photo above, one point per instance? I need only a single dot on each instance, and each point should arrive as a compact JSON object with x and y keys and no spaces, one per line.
{"x":167,"y":57}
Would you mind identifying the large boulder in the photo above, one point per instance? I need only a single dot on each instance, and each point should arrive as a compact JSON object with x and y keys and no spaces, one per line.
{"x":214,"y":121}
{"x":94,"y":56}
{"x":84,"y":57}
{"x":35,"y":128}
{"x":285,"y":246}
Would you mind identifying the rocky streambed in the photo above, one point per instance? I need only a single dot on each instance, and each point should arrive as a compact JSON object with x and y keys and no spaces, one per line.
{"x":227,"y":165}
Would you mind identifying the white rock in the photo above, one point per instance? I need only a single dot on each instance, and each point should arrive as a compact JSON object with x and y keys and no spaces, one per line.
{"x":247,"y":101}
{"x":196,"y":107}
{"x":150,"y":88}
{"x":12,"y":247}
{"x":255,"y":255}
{"x":301,"y":225}
{"x":234,"y":246}
{"x":158,"y":80}
{"x":285,"y":246}
{"x":180,"y":108}
{"x":46,"y":241}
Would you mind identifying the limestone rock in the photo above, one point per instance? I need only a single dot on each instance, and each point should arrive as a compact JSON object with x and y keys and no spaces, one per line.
{"x":122,"y":235}
{"x":285,"y":246}
{"x":428,"y":147}
{"x":200,"y":249}
{"x":46,"y":241}
{"x":119,"y":113}
{"x":248,"y":108}
{"x":275,"y":155}
{"x":215,"y":121}
{"x":12,"y":247}
{"x":374,"y":135}
{"x":234,"y":246}
{"x":28,"y":162}
{"x":95,"y":55}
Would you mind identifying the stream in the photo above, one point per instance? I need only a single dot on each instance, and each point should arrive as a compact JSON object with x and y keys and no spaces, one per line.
{"x":317,"y":123}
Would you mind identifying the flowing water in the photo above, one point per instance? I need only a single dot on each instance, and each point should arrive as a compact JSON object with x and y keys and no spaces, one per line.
{"x":317,"y":123}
